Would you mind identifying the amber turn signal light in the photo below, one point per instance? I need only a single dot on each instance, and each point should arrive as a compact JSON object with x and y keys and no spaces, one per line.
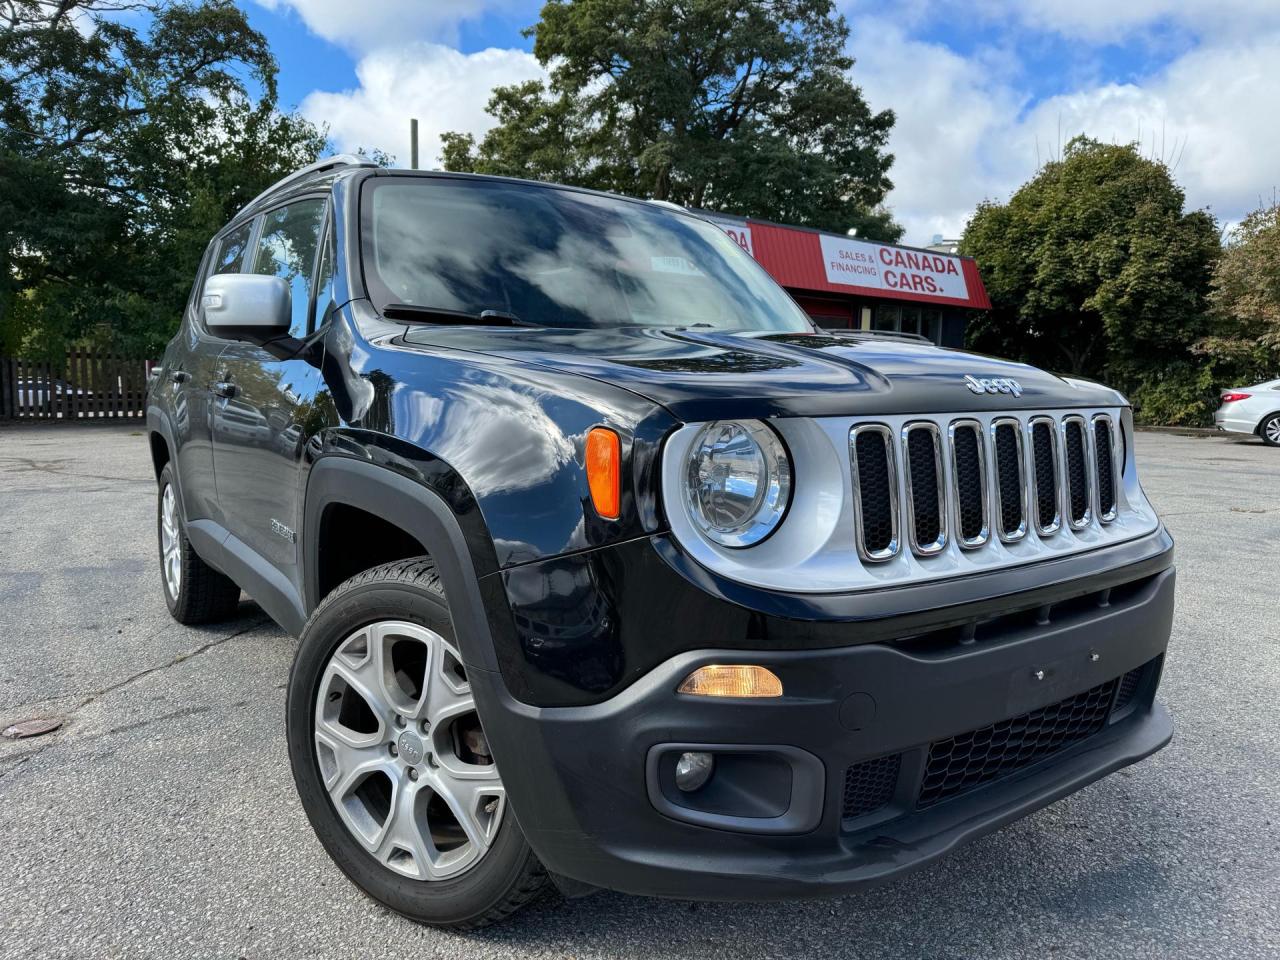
{"x":604,"y":472}
{"x":733,"y":680}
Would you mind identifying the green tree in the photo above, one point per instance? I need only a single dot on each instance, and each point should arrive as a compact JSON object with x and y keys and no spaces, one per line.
{"x":1244,"y":341}
{"x":735,"y":105}
{"x":1095,"y":268}
{"x":130,"y":130}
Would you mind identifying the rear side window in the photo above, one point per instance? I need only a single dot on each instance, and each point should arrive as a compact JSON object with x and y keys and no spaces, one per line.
{"x":231,"y":250}
{"x":287,"y":249}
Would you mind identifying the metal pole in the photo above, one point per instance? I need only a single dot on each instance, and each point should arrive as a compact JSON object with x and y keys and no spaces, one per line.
{"x":413,"y":144}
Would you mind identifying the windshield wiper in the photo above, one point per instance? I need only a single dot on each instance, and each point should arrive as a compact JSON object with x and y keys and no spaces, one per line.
{"x":424,"y":314}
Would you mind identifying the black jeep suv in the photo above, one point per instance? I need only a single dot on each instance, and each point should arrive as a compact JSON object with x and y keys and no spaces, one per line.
{"x":611,"y":569}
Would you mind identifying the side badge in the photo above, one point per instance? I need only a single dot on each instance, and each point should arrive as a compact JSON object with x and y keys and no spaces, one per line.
{"x":280,"y":530}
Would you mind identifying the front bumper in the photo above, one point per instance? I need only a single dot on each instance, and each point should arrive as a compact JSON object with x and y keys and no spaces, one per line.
{"x":591,"y":788}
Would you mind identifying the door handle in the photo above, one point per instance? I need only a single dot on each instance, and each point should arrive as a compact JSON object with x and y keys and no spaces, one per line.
{"x":225,"y":389}
{"x":180,"y":376}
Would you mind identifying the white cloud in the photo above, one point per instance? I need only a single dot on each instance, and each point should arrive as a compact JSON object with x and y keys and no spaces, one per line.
{"x":948,"y":109}
{"x":1111,"y":20}
{"x":966,"y":128}
{"x":371,"y":24}
{"x":1215,"y":100}
{"x":445,"y":89}
{"x":966,"y":133}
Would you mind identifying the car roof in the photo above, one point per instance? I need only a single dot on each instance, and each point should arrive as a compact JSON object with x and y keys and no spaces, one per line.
{"x":324,"y":172}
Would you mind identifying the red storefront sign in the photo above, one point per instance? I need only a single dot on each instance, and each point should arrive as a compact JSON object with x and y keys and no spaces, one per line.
{"x":801,"y":259}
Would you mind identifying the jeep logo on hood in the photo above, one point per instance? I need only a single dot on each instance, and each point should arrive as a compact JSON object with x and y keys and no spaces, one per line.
{"x":993,"y":385}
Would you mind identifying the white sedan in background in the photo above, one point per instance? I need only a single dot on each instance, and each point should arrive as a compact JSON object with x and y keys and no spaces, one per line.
{"x":1252,"y":410}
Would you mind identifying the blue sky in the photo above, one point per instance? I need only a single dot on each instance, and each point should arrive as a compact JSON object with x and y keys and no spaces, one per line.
{"x":982,"y":89}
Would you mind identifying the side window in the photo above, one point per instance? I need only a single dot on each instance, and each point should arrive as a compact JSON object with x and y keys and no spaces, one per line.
{"x":230,"y":257}
{"x":324,"y":282}
{"x":287,"y":249}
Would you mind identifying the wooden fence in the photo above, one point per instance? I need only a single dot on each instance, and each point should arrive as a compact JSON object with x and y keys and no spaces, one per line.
{"x":83,"y":385}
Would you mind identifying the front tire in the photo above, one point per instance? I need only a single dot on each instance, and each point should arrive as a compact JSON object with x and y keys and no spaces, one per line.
{"x":1269,"y":430}
{"x":193,"y":590}
{"x":390,"y":762}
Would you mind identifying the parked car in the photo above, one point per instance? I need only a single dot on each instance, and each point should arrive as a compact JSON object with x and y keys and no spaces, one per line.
{"x":36,"y":391}
{"x":1253,"y":410}
{"x":611,"y":569}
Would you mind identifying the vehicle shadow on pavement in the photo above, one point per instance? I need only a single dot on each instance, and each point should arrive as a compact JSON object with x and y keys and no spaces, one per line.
{"x":977,"y":903}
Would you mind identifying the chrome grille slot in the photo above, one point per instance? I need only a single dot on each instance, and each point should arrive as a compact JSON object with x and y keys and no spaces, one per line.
{"x":1077,"y":464}
{"x":969,"y":481}
{"x":875,"y":485}
{"x":1044,"y":459}
{"x":926,"y":496}
{"x":1011,"y":491}
{"x":1105,"y":456}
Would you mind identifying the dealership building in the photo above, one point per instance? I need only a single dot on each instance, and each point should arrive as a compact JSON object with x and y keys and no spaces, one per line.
{"x":846,"y":283}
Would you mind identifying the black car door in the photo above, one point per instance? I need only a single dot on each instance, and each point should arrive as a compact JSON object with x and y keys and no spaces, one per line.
{"x":191,"y":380}
{"x":265,"y":403}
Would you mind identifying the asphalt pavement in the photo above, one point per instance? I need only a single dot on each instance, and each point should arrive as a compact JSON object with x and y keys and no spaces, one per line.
{"x":161,"y":819}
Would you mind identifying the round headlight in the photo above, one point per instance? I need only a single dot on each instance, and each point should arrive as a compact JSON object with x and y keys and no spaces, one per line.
{"x":738,"y":482}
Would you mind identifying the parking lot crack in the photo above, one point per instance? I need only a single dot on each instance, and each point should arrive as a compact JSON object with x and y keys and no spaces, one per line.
{"x":19,"y":759}
{"x":180,"y":658}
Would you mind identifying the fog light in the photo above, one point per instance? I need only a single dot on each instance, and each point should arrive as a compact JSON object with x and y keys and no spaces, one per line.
{"x":693,"y":770}
{"x":734,"y":680}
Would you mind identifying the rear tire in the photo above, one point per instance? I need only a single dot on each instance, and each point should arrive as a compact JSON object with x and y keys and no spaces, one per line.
{"x":390,"y":762}
{"x":193,"y":590}
{"x":1269,"y":430}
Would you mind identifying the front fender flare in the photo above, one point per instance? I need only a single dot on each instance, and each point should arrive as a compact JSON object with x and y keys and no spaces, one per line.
{"x":422,"y":513}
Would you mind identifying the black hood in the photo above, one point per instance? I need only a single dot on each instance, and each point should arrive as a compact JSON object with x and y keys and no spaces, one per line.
{"x":700,"y":375}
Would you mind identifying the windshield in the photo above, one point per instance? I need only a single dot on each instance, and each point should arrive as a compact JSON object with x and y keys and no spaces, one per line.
{"x":560,"y":258}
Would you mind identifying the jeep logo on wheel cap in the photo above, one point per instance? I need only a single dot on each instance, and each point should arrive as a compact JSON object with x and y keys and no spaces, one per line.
{"x":411,"y":748}
{"x":993,"y":385}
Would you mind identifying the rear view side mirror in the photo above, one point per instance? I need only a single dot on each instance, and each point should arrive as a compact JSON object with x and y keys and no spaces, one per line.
{"x":246,"y":306}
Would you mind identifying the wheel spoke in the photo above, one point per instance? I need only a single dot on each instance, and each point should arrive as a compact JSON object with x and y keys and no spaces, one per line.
{"x":474,"y":803}
{"x":347,"y":750}
{"x":410,"y":833}
{"x":390,"y":639}
{"x":449,"y":693}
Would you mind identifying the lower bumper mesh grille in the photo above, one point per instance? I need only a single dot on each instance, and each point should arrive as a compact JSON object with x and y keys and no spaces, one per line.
{"x":1128,"y":687}
{"x":971,"y":759}
{"x":869,"y":785}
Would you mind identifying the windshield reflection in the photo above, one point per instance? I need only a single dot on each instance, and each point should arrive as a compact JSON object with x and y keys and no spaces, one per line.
{"x":561,"y":258}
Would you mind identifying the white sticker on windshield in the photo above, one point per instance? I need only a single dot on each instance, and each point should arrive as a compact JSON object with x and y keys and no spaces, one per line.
{"x":679,"y":265}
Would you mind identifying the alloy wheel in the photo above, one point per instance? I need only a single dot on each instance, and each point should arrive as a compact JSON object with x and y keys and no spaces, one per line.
{"x":170,"y":544}
{"x":1272,"y":430}
{"x":401,"y":752}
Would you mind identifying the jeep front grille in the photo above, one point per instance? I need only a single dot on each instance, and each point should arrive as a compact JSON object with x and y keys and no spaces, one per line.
{"x":926,"y":499}
{"x":1039,"y":472}
{"x":1010,"y":485}
{"x":1077,"y":472}
{"x":1104,"y":452}
{"x":876,"y":482}
{"x":969,"y":472}
{"x":1044,"y":450}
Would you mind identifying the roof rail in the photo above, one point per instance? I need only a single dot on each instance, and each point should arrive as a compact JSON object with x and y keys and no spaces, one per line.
{"x":325,"y":163}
